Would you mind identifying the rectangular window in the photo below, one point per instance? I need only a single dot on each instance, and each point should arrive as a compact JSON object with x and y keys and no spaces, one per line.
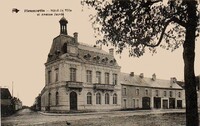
{"x":170,"y":94}
{"x":146,"y":92}
{"x":56,"y":74}
{"x":157,"y":93}
{"x":57,"y":98}
{"x":124,"y":103}
{"x":72,"y":74}
{"x":114,"y":79}
{"x":124,"y":91}
{"x":137,"y":103}
{"x":49,"y":76}
{"x":137,"y":91}
{"x":133,"y":103}
{"x":107,"y":78}
{"x":89,"y":76}
{"x":165,"y":93}
{"x":98,"y":77}
{"x":179,"y":94}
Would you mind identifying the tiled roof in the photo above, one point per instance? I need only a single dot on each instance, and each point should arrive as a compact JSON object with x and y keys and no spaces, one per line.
{"x":146,"y":82}
{"x":92,"y":49}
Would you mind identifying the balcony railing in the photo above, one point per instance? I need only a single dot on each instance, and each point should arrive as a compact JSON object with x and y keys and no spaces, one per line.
{"x":107,"y":87}
{"x":74,"y":85}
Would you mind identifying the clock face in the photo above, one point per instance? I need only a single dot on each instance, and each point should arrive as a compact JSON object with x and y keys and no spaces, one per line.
{"x":72,"y":50}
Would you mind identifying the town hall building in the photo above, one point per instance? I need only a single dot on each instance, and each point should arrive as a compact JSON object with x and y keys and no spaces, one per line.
{"x":79,"y":77}
{"x":83,"y":77}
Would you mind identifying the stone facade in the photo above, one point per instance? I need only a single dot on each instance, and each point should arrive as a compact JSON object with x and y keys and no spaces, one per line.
{"x":76,"y":74}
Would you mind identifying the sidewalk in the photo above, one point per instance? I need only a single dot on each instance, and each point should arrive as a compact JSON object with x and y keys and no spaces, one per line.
{"x":122,"y":112}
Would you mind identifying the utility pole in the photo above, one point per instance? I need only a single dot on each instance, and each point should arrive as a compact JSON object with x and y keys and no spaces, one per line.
{"x":12,"y":88}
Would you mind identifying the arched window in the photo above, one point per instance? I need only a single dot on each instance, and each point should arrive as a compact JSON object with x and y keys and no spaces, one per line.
{"x":114,"y":98}
{"x":107,"y":98}
{"x":57,"y":98}
{"x":98,"y":98}
{"x":64,"y":48}
{"x":89,"y":98}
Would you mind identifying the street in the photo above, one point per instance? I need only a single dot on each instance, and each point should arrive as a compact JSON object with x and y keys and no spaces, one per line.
{"x":28,"y":117}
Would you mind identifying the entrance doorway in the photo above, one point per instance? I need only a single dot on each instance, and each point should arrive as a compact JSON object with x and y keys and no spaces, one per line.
{"x":179,"y":103}
{"x":73,"y":101}
{"x":157,"y":102}
{"x":171,"y":103}
{"x":146,"y":102}
{"x":165,"y":104}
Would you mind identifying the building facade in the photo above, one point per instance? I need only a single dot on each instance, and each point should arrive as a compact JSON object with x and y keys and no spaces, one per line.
{"x":139,"y":92}
{"x":9,"y":104}
{"x":83,"y":77}
{"x":79,"y":77}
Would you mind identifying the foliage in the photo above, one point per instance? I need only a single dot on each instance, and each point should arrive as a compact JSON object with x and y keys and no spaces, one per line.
{"x":140,"y":24}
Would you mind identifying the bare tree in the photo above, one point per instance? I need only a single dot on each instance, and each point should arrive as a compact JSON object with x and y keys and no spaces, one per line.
{"x":146,"y":24}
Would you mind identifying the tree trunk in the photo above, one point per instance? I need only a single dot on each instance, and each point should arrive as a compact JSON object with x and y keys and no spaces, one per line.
{"x":189,"y":76}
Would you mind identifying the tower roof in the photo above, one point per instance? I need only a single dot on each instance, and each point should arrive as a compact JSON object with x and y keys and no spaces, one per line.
{"x":63,"y":19}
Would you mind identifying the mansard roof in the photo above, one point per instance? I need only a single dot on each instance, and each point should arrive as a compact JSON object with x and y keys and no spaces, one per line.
{"x":86,"y":53}
{"x":137,"y":80}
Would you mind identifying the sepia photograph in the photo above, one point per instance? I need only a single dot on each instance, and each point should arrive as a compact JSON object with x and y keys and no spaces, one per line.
{"x":100,"y":63}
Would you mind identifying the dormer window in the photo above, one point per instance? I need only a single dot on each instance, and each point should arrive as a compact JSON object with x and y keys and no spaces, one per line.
{"x":50,"y":55}
{"x":98,"y":57}
{"x":111,"y":61}
{"x":57,"y":52}
{"x":64,"y":48}
{"x":87,"y":56}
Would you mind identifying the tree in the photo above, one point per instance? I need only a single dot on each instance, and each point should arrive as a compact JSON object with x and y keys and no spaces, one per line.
{"x":146,"y":24}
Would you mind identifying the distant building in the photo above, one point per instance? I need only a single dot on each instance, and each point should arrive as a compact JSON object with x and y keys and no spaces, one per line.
{"x":83,"y":77}
{"x":142,"y":92}
{"x":6,"y":102}
{"x":9,"y":104}
{"x":17,"y":103}
{"x":37,"y":104}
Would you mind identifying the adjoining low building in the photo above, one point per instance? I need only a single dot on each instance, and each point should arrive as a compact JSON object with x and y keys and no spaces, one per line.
{"x":145,"y":93}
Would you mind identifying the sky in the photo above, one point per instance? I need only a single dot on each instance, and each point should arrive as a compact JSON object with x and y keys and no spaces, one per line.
{"x":26,"y":39}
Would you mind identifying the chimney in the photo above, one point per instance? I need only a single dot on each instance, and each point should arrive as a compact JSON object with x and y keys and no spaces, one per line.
{"x":111,"y":51}
{"x":172,"y":81}
{"x":154,"y":77}
{"x":132,"y":74}
{"x":141,"y":75}
{"x":76,"y":37}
